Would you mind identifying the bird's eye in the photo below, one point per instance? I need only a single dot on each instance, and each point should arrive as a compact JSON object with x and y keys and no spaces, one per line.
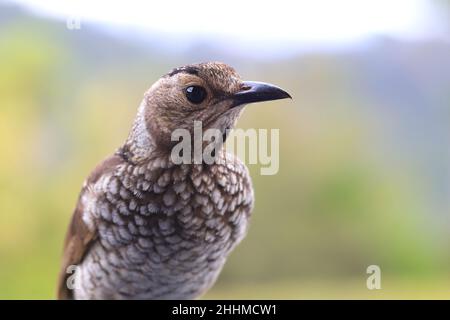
{"x":195,"y":94}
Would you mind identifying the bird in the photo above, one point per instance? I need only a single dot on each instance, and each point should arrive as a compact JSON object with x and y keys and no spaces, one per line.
{"x":146,"y":227}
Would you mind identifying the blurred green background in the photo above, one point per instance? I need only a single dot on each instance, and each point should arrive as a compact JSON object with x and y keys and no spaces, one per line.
{"x":364,"y":157}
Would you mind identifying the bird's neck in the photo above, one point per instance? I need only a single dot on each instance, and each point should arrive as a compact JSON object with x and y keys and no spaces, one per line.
{"x":139,"y":145}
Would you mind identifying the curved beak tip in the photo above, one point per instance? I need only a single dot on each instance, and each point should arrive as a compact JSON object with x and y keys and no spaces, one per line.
{"x":288,"y":96}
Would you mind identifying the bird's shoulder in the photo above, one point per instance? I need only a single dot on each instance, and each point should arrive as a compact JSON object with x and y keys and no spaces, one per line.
{"x":81,"y":234}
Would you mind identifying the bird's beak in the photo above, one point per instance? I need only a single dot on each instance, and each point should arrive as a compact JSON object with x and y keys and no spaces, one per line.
{"x":253,"y":91}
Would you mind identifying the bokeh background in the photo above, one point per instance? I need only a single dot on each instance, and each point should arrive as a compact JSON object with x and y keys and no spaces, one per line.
{"x":364,"y":146}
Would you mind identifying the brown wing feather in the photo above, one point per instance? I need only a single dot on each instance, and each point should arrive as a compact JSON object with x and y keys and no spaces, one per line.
{"x":79,"y":237}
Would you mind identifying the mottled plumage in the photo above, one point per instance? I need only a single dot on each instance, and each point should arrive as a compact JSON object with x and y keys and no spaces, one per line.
{"x":146,"y":228}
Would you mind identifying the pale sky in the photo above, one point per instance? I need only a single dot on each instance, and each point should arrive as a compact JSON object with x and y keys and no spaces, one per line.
{"x":294,"y":21}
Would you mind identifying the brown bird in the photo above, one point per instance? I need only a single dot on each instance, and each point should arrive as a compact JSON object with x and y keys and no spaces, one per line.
{"x":146,"y":227}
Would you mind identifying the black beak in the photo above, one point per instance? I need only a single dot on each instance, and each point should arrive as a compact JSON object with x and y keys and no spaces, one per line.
{"x":253,"y":91}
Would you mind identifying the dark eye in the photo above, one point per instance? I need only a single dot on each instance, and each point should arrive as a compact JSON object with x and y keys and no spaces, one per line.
{"x":195,"y":94}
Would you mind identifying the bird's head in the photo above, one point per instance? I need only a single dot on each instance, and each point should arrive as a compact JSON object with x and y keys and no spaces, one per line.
{"x":212,"y":93}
